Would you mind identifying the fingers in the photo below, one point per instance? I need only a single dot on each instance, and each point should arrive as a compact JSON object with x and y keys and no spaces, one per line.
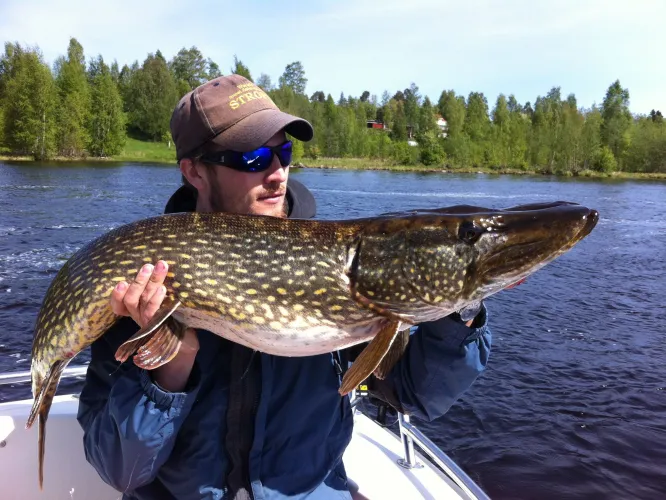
{"x":148,"y":309}
{"x":143,"y":296}
{"x":117,"y":296}
{"x":154,"y":282}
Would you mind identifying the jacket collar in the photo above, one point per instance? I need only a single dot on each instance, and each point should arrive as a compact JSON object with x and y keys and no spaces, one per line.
{"x":301,"y":202}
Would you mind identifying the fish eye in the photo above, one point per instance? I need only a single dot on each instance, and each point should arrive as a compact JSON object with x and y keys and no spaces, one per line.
{"x":469,"y":232}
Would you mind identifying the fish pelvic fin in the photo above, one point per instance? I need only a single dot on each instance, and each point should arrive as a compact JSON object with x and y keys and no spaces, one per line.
{"x":162,"y":347}
{"x":370,"y":358}
{"x":393,"y":355}
{"x":143,"y":336}
{"x":45,"y":388}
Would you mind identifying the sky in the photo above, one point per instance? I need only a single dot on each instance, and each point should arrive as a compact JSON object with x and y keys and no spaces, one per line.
{"x":520,"y":47}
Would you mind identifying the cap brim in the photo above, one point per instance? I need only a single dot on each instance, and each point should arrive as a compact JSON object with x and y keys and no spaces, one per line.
{"x":256,"y":130}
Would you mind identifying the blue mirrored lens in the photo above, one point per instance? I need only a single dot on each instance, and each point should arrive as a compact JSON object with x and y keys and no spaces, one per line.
{"x":257,"y":160}
{"x":285,"y":154}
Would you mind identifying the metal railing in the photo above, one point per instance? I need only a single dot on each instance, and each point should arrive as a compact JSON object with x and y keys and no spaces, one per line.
{"x":410,"y":434}
{"x":24,"y":376}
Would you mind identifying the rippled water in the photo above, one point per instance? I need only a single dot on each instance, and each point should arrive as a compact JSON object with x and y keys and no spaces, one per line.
{"x":573,"y":403}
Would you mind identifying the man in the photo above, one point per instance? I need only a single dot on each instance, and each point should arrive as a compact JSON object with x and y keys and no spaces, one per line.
{"x":222,"y":421}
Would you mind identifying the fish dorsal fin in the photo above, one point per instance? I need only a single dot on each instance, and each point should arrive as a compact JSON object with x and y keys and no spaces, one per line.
{"x":370,"y":358}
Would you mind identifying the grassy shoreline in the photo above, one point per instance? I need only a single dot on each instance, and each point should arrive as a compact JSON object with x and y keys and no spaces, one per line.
{"x":370,"y":164}
{"x":157,"y":152}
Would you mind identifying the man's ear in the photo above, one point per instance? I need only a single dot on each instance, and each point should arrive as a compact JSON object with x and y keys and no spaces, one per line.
{"x":192,"y":172}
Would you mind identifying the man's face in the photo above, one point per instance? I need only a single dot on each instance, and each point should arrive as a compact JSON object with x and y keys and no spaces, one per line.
{"x":223,"y":189}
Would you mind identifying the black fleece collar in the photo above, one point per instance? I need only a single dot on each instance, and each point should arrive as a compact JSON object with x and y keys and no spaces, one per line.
{"x":301,"y":202}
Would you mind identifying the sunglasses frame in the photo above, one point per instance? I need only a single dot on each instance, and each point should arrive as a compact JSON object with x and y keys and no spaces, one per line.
{"x":235,"y":159}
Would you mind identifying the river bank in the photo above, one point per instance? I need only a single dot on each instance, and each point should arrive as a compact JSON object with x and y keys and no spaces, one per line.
{"x":137,"y":151}
{"x":372,"y":164}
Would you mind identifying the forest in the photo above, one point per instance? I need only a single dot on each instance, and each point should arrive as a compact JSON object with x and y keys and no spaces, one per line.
{"x":88,"y":108}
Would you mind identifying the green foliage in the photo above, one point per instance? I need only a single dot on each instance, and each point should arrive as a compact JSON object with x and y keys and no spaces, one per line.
{"x":77,"y":109}
{"x":605,"y":161}
{"x":135,"y":150}
{"x":298,"y":151}
{"x":151,"y":97}
{"x":29,"y":102}
{"x":404,"y":154}
{"x":73,"y":112}
{"x":453,"y":109}
{"x":656,"y":116}
{"x":294,"y":77}
{"x":107,"y":119}
{"x":264,"y":81}
{"x":616,"y":119}
{"x":647,"y":151}
{"x":430,"y":149}
{"x":313,"y":152}
{"x":190,"y":69}
{"x":240,"y":69}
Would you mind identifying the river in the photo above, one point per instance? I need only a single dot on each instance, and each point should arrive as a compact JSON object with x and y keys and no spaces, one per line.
{"x":573,"y":402}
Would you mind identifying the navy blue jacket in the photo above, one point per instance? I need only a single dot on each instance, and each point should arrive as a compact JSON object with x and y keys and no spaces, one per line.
{"x":153,"y":444}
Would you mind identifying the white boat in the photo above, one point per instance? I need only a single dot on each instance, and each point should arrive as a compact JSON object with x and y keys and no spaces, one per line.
{"x":379,"y":463}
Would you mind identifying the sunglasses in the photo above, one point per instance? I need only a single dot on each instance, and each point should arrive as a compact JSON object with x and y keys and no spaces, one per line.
{"x":252,"y":161}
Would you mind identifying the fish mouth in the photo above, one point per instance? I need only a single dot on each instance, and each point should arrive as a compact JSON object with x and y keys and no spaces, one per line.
{"x":527,"y":238}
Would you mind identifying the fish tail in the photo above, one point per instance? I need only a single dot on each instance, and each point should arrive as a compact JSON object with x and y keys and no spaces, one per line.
{"x":45,"y":388}
{"x":41,"y":439}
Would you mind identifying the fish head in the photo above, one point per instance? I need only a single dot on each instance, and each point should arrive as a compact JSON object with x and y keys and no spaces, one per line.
{"x":430,"y":263}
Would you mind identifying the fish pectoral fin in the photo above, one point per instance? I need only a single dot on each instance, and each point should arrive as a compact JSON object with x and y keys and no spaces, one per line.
{"x":162,"y":347}
{"x":393,"y":355}
{"x":46,"y":391}
{"x":143,"y":336}
{"x":370,"y":358}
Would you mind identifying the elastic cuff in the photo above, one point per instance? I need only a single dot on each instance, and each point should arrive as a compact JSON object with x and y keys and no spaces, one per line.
{"x":165,"y":398}
{"x":455,"y":334}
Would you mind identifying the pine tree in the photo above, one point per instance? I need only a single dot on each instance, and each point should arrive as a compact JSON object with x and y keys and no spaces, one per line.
{"x":151,"y":98}
{"x":107,"y":123}
{"x":29,"y":97}
{"x":616,"y":120}
{"x":74,"y":101}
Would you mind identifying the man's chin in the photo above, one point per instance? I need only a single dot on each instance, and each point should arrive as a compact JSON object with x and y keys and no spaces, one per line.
{"x":274,"y":206}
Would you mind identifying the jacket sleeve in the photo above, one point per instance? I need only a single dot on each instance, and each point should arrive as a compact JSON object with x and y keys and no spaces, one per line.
{"x":129,"y":423}
{"x":442,"y":360}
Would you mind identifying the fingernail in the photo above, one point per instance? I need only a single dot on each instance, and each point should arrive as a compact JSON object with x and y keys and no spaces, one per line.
{"x":159,"y":267}
{"x":121,"y":286}
{"x":147,"y":269}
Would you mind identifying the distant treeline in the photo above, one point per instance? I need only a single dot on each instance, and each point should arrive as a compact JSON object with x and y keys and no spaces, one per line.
{"x":83,"y":109}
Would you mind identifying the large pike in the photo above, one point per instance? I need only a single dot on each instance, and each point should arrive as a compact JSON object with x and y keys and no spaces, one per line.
{"x":295,"y":287}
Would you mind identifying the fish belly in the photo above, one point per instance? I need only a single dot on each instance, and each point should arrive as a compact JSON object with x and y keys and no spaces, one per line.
{"x":287,"y":340}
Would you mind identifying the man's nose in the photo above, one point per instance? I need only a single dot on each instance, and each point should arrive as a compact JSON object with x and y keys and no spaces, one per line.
{"x":276,"y":172}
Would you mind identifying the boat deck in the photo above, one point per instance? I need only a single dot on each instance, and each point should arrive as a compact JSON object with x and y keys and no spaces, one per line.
{"x":372,"y":461}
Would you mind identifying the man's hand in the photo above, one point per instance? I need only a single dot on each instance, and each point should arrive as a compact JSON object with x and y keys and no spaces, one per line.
{"x":140,"y":300}
{"x":468,"y":313}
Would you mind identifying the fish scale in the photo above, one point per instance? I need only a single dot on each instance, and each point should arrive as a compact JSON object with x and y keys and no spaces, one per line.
{"x":247,"y":281}
{"x":295,"y":287}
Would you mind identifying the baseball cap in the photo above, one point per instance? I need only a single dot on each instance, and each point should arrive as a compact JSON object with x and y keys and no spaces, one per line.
{"x":231,"y":113}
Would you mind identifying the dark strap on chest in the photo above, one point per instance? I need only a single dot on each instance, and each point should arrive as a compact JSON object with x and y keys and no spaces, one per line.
{"x":244,"y":392}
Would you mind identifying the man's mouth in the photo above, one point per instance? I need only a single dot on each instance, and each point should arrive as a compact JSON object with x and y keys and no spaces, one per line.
{"x":272,"y":197}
